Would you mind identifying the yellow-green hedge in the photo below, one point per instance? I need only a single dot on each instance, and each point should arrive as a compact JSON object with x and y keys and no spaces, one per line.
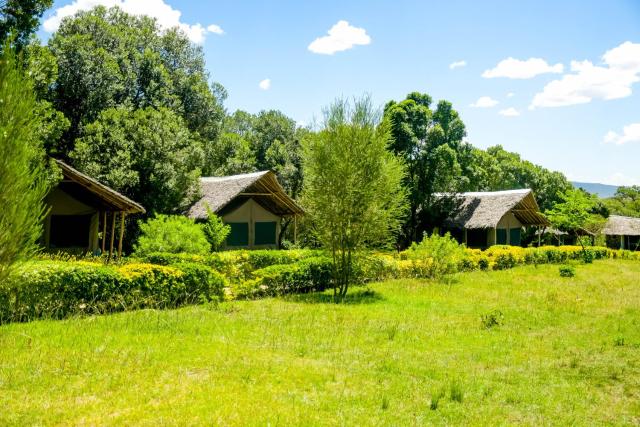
{"x":57,"y":289}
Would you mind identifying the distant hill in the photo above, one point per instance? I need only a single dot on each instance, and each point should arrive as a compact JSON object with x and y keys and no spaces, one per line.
{"x":602,"y":190}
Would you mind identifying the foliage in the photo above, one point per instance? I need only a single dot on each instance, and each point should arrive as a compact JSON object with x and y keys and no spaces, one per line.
{"x":108,"y":59}
{"x":430,"y":143}
{"x":309,"y":274}
{"x":23,"y":179}
{"x":567,"y":271}
{"x":496,"y":169}
{"x":55,"y":289}
{"x":147,"y":154}
{"x":492,"y":319}
{"x":436,"y":255}
{"x":19,"y":19}
{"x":215,"y":230}
{"x":173,"y":234}
{"x":625,"y":202}
{"x":352,"y":190}
{"x":578,"y":212}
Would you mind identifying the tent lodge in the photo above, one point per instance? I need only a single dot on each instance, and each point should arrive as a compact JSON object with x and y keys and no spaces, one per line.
{"x":483,"y":219}
{"x":80,"y":209}
{"x":252,"y":204}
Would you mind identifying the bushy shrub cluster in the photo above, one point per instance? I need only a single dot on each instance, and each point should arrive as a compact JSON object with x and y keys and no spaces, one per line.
{"x":55,"y":289}
{"x":435,"y":256}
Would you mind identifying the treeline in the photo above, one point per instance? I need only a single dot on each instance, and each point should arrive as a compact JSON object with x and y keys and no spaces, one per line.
{"x":134,"y":107}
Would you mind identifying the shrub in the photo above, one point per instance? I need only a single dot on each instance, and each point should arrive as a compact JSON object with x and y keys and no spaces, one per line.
{"x":567,"y":271}
{"x":436,"y":255}
{"x":173,"y":234}
{"x":492,"y":319}
{"x":311,"y":274}
{"x":58,"y":289}
{"x":215,"y":230}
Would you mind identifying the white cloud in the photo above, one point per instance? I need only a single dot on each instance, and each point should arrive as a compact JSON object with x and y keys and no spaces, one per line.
{"x":512,"y":68}
{"x":509,"y":112}
{"x":457,"y":64}
{"x":265,"y":84}
{"x":166,"y":16}
{"x":485,"y":102}
{"x":510,"y":95}
{"x":630,"y":133}
{"x":215,"y":29}
{"x":341,"y":36}
{"x":612,"y":81}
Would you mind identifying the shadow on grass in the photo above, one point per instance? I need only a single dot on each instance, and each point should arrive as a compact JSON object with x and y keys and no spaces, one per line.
{"x":360,"y":296}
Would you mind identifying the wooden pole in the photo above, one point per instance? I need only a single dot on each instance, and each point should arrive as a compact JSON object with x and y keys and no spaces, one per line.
{"x":295,"y":228}
{"x":104,"y":230}
{"x":122,"y":215}
{"x":113,"y":235}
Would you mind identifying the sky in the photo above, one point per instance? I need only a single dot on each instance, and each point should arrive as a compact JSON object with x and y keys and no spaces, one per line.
{"x":557,"y":82}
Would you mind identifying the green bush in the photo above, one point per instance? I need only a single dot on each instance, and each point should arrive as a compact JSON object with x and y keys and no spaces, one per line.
{"x":215,"y":230}
{"x":567,"y":271}
{"x":55,"y":289}
{"x":172,"y":234}
{"x":436,"y":255}
{"x":310,"y":274}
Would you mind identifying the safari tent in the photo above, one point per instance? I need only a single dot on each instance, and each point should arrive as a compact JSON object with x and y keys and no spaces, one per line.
{"x":253,"y":204}
{"x":85,"y":215}
{"x":484,"y":219}
{"x":622,"y":232}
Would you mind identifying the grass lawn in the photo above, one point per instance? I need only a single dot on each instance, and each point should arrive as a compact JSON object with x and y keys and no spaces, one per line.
{"x":406,"y":352}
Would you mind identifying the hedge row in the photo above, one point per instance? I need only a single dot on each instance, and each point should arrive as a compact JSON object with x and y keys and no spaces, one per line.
{"x":56,"y":289}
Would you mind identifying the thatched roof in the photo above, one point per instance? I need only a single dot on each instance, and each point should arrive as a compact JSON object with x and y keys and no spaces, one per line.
{"x":263,"y":187}
{"x":87,"y":189}
{"x":486,"y":209}
{"x":622,"y":226}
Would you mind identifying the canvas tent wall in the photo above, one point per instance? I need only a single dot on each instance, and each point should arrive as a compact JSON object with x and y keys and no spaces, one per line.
{"x":80,"y":209}
{"x":253,"y":204}
{"x":496,"y":217}
{"x":622,"y":232}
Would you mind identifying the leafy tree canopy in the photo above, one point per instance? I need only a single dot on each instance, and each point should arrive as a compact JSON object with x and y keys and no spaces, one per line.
{"x":147,"y":154}
{"x":108,"y":59}
{"x":19,"y":19}
{"x":625,"y":202}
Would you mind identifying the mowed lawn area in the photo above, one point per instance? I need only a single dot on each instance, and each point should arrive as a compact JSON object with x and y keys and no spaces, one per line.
{"x":406,"y":352}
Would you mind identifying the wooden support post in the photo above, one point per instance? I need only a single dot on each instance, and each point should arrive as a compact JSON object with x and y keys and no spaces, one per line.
{"x":621,"y":242}
{"x":104,"y":230}
{"x":122,"y":215}
{"x":295,"y":228}
{"x":113,"y":234}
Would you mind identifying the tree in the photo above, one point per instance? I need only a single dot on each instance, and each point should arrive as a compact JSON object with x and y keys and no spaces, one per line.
{"x":108,"y":59}
{"x":19,"y":19}
{"x":23,"y":181}
{"x":215,"y":230}
{"x":353,"y":190}
{"x":148,"y":154}
{"x":578,"y":211}
{"x":496,"y":169}
{"x":431,"y":145}
{"x":625,"y":202}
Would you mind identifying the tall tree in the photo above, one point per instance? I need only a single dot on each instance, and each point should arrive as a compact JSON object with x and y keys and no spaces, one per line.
{"x":147,"y":154}
{"x":23,"y":182}
{"x":625,"y":202}
{"x":107,"y":58}
{"x":353,"y":190}
{"x":19,"y":19}
{"x":431,"y":145}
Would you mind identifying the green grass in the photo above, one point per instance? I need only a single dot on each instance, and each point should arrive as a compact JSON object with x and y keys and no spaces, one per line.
{"x":562,"y":351}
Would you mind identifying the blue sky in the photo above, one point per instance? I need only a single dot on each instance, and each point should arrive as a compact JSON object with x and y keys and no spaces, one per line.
{"x":392,"y":48}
